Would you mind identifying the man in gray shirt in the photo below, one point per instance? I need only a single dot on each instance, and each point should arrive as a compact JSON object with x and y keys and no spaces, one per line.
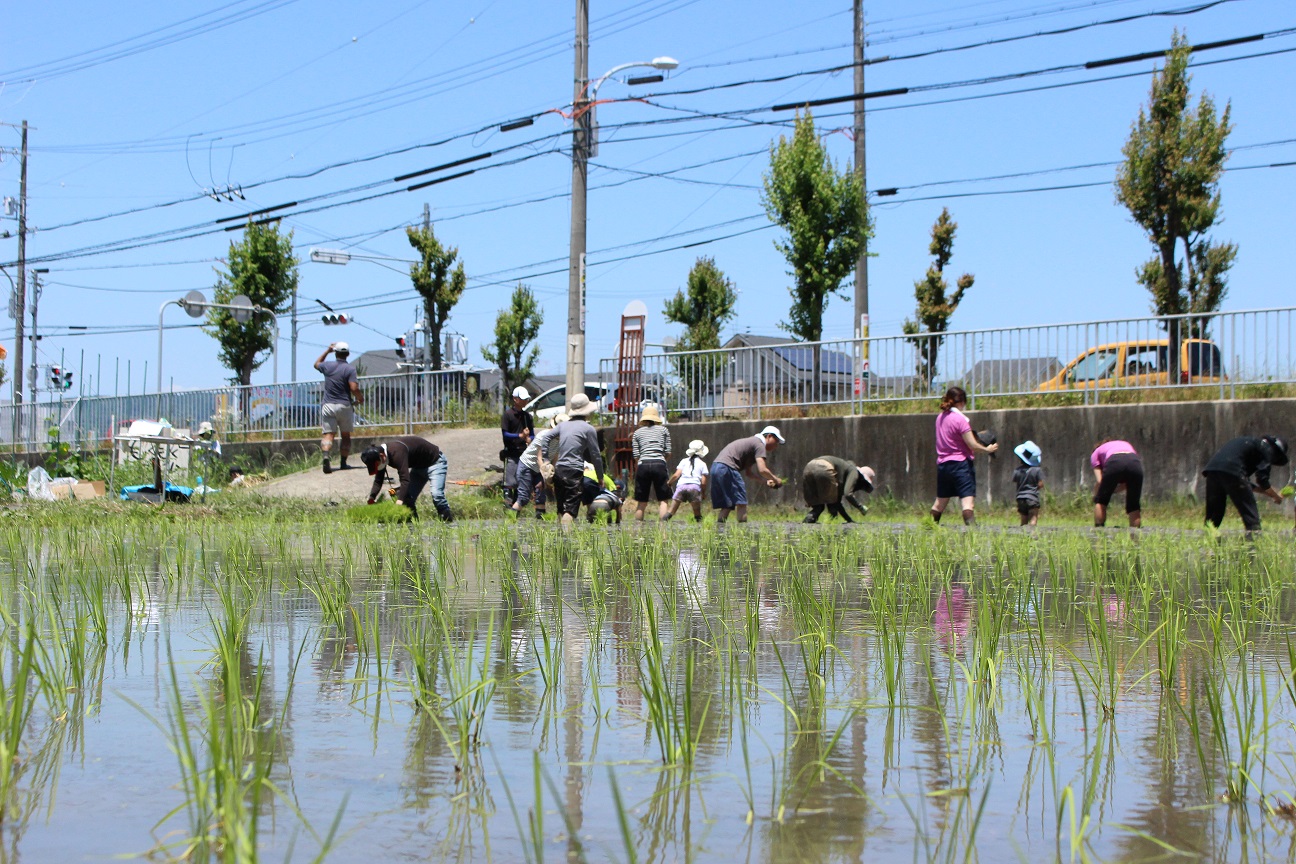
{"x":341,"y":391}
{"x":577,"y":444}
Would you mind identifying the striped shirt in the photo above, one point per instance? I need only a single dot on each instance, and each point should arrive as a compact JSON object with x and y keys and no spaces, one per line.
{"x":650,"y":444}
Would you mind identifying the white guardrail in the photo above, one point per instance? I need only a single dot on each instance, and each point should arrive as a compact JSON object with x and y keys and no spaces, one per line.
{"x":1234,"y":354}
{"x":403,"y":401}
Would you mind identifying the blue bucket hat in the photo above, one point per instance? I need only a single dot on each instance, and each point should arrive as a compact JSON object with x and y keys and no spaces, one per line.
{"x":1028,"y":452}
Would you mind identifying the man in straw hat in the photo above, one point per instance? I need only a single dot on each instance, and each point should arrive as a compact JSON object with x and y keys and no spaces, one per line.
{"x":829,"y":480}
{"x":728,"y":489}
{"x":577,"y":444}
{"x":651,"y":447}
{"x":341,"y":391}
{"x":690,"y":479}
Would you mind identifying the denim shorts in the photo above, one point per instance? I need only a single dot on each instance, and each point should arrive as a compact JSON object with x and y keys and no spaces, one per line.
{"x":727,"y":487}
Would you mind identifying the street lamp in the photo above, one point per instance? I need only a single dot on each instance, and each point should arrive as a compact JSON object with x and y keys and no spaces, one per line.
{"x":583,"y":142}
{"x":195,"y":304}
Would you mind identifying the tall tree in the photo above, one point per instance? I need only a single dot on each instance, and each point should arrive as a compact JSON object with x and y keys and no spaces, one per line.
{"x":705,"y":305}
{"x":438,"y":280}
{"x":826,"y":218}
{"x":263,"y":268}
{"x":1169,"y":181}
{"x":935,"y":304}
{"x":516,"y":329}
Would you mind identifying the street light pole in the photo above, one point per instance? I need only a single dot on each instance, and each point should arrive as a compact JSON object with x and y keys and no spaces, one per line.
{"x":191,"y":302}
{"x":582,"y":144}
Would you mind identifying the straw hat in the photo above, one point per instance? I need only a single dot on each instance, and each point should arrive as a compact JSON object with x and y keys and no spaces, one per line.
{"x":581,"y":406}
{"x":205,"y":428}
{"x":869,"y":476}
{"x":697,"y":448}
{"x":650,"y":414}
{"x":558,"y":418}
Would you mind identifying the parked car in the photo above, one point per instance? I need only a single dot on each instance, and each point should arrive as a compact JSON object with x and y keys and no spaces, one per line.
{"x":1139,"y":364}
{"x":553,"y":401}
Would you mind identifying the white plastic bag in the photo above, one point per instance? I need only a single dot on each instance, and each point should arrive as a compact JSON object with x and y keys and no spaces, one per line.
{"x":38,"y":485}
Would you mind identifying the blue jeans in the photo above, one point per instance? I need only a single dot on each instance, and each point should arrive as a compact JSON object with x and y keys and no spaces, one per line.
{"x":436,"y":475}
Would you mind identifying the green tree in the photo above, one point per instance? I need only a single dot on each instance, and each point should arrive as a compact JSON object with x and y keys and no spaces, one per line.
{"x":1169,"y":181}
{"x":261,"y":267}
{"x":516,"y":329}
{"x":827,"y":222}
{"x":935,"y":305}
{"x":705,"y":305}
{"x":438,"y":280}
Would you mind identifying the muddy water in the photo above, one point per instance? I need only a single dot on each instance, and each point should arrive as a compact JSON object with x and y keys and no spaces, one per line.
{"x":1037,"y":722}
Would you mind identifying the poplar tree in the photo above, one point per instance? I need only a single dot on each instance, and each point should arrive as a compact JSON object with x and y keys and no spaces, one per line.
{"x":516,"y":328}
{"x":935,"y":304}
{"x":438,"y":279}
{"x":1169,"y":181}
{"x":825,"y":215}
{"x":705,"y":305}
{"x":263,"y":268}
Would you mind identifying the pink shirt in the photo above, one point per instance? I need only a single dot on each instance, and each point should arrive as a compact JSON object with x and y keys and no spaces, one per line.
{"x":950,"y":446}
{"x":1108,"y":450}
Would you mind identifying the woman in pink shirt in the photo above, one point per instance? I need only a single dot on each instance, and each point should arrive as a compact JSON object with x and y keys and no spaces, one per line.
{"x":1116,"y":465}
{"x":954,"y":446}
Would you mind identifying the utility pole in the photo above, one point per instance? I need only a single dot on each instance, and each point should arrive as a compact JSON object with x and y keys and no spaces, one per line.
{"x":861,"y":327}
{"x":20,"y":301}
{"x":580,"y":166}
{"x":861,"y":266}
{"x":33,"y":378}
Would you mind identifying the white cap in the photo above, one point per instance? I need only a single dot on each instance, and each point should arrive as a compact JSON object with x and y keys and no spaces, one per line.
{"x":773,"y":430}
{"x":341,"y":348}
{"x":521,"y":393}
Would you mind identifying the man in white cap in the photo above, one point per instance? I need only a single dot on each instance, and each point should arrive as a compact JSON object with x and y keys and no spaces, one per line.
{"x":728,"y":489}
{"x":827,"y":481}
{"x":341,"y":392}
{"x":517,"y":429}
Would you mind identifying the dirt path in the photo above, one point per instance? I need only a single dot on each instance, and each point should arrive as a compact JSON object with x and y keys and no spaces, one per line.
{"x":471,"y":453}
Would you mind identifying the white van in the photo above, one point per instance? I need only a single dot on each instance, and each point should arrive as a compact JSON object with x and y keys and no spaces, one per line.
{"x":553,"y":401}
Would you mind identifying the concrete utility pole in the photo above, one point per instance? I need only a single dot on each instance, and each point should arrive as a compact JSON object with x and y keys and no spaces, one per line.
{"x":861,"y":266}
{"x":581,"y":129}
{"x":33,"y":377}
{"x":20,"y":300}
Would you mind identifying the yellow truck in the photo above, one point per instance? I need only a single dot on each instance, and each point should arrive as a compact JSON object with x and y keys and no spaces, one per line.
{"x":1143,"y":363}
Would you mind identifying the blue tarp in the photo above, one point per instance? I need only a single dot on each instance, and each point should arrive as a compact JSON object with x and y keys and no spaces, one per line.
{"x":173,"y":492}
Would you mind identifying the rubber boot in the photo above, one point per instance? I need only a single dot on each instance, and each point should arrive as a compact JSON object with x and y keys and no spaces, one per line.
{"x":328,"y":465}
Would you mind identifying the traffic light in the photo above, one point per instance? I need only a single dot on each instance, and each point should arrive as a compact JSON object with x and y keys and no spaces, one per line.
{"x":336,"y":318}
{"x":400,"y":347}
{"x":67,"y":380}
{"x":60,"y":378}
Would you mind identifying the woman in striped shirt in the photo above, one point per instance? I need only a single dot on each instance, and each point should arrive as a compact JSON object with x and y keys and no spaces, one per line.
{"x":651,"y":446}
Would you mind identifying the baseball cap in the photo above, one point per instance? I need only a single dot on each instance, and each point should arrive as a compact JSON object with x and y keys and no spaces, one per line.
{"x":773,"y":430}
{"x":371,"y":457}
{"x":521,"y":393}
{"x":341,"y":348}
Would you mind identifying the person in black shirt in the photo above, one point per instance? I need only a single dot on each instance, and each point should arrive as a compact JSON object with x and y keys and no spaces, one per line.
{"x":1228,"y":475}
{"x":417,"y":461}
{"x":517,"y":429}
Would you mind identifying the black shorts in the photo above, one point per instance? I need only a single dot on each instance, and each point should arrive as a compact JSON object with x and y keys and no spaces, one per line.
{"x":1121,"y":468}
{"x":651,"y":477}
{"x":1025,"y":506}
{"x":956,"y":479}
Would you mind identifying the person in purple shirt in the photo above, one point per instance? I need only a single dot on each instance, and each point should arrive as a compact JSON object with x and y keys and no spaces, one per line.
{"x":955,"y":443}
{"x":1116,"y":465}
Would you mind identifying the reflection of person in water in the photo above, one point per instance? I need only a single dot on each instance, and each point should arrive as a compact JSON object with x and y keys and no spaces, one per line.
{"x":953,"y":620}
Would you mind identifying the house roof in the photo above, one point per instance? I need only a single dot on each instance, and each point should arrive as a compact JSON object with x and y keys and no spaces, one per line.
{"x":799,"y":357}
{"x":1016,"y":373}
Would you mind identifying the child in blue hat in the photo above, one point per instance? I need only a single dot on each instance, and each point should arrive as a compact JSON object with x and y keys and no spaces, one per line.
{"x":1030,"y":481}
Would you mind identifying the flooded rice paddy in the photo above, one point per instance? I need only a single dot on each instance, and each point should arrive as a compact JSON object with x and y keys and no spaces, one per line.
{"x":245,"y":692}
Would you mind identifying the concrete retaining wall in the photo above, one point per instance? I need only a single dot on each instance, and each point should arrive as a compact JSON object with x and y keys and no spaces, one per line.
{"x":1175,"y":440}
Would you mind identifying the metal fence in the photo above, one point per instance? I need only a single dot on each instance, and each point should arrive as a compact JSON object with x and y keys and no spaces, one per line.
{"x":402,"y":401}
{"x":1224,"y":355}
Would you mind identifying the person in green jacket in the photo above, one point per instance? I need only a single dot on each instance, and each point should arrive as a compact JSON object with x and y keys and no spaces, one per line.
{"x":828,"y":480}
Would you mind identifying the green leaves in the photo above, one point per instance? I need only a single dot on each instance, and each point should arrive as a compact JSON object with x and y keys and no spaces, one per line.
{"x":516,"y":328}
{"x":826,"y":219}
{"x":935,"y":307}
{"x":438,"y":280}
{"x":262,"y":267}
{"x":1170,"y":183}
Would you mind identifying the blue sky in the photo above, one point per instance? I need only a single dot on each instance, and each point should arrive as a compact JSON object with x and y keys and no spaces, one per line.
{"x":151,"y":108}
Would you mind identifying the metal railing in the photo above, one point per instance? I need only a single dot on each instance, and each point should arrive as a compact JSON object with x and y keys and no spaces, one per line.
{"x":1224,"y":355}
{"x":392,"y":403}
